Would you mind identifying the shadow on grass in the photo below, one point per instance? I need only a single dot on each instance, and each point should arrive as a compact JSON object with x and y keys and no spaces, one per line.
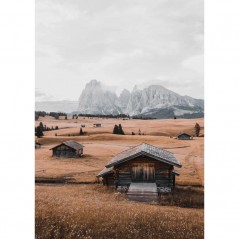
{"x":187,"y":197}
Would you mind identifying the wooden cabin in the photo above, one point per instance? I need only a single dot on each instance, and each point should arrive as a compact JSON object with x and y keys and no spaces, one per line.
{"x":97,"y":125}
{"x":68,"y":149}
{"x":143,"y":163}
{"x":184,"y":136}
{"x":37,"y":145}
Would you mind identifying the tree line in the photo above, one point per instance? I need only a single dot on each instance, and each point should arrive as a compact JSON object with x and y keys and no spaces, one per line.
{"x":56,"y":115}
{"x":104,"y":116}
{"x":41,"y":128}
{"x":143,"y":118}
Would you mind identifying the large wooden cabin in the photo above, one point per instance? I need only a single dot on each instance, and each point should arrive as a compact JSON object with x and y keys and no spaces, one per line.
{"x":143,"y":163}
{"x":68,"y":149}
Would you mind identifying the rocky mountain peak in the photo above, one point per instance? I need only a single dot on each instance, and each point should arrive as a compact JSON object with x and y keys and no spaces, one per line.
{"x":153,"y":101}
{"x":95,"y":99}
{"x":93,"y":83}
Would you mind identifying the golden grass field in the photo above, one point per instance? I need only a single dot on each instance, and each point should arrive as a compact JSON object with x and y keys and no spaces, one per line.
{"x":90,"y":211}
{"x":82,"y":211}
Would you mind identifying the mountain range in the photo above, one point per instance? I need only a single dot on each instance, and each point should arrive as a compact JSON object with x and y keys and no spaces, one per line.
{"x":154,"y":101}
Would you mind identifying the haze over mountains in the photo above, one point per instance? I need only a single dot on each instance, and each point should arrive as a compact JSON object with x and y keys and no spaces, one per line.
{"x":154,"y":101}
{"x":65,"y":106}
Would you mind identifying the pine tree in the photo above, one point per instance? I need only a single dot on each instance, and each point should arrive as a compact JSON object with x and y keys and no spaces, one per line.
{"x":121,"y":130}
{"x":66,"y":117}
{"x":81,"y":131}
{"x":39,"y":132}
{"x":197,"y":129}
{"x":116,"y":130}
{"x":41,"y":126}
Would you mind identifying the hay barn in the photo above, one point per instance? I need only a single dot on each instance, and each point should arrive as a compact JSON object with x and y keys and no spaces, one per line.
{"x":68,"y":149}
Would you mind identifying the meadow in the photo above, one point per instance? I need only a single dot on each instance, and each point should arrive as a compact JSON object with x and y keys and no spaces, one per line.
{"x":86,"y":210}
{"x":91,"y":211}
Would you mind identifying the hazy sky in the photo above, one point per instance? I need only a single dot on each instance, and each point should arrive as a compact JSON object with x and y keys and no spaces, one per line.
{"x":118,"y":42}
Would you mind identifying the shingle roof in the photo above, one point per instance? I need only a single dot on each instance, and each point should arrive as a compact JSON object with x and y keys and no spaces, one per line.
{"x":184,"y":134}
{"x":105,"y":171}
{"x":71,"y":144}
{"x":144,"y":149}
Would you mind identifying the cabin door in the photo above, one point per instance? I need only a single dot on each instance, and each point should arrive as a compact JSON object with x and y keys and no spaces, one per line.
{"x":143,"y":172}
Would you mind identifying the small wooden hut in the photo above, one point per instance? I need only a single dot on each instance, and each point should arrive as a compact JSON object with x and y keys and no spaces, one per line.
{"x":97,"y":125}
{"x":68,"y":149}
{"x":37,"y":145}
{"x":143,"y":163}
{"x":184,"y":136}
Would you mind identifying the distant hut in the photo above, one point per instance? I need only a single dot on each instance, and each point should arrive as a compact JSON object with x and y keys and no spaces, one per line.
{"x":184,"y":136}
{"x":68,"y":149}
{"x":140,"y":165}
{"x":37,"y":145}
{"x":97,"y":125}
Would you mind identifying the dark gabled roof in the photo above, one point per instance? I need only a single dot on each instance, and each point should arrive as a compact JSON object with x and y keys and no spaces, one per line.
{"x":105,"y":171}
{"x":72,"y":144}
{"x":147,"y":150}
{"x":183,"y":134}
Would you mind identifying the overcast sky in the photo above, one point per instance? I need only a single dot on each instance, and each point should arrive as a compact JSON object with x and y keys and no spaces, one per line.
{"x":118,"y":42}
